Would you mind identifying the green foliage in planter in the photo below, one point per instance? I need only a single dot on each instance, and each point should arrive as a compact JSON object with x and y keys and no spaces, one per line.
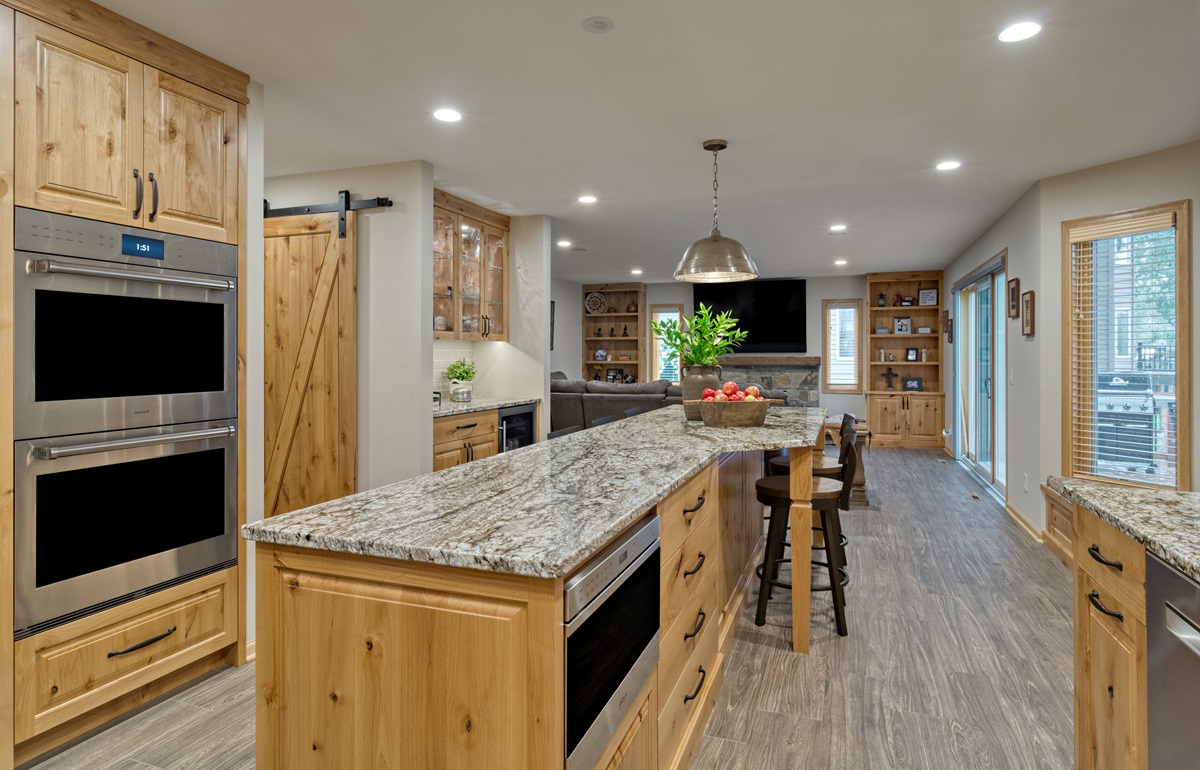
{"x":702,"y":339}
{"x":462,"y":370}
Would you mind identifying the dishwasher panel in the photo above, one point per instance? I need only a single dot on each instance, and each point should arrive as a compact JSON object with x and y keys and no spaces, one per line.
{"x":1173,"y":666}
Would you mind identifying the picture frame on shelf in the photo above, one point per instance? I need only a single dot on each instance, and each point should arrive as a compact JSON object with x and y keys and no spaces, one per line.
{"x":912,"y":383}
{"x":927,"y":297}
{"x":601,"y":354}
{"x":882,"y":330}
{"x":1027,"y":312}
{"x":903,"y":325}
{"x":924,"y":330}
{"x":911,"y":354}
{"x":615,"y":375}
{"x":1014,"y":297}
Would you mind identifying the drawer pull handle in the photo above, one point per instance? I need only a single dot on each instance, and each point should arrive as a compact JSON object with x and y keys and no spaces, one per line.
{"x":1094,"y":552}
{"x":464,"y":427}
{"x":142,"y":644}
{"x":1094,"y":598}
{"x":696,"y":693}
{"x":699,"y":625}
{"x":699,"y":504}
{"x":695,"y":569}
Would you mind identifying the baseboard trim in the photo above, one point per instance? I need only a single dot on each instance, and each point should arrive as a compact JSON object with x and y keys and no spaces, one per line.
{"x":250,"y":650}
{"x":948,"y":451}
{"x":1024,"y":523}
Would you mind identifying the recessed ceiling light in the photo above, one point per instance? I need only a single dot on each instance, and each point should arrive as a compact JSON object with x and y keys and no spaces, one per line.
{"x":587,"y":198}
{"x":839,"y":261}
{"x":599,"y":24}
{"x":448,"y":115}
{"x":564,"y":244}
{"x":836,"y":228}
{"x":636,"y":271}
{"x":1022,"y":31}
{"x":948,"y":165}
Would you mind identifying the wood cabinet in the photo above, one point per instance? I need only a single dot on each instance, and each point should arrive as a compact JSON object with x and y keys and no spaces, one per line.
{"x":103,"y":136}
{"x":617,"y":331}
{"x":898,"y":346}
{"x":470,"y":271}
{"x":462,"y":438}
{"x":636,"y":740}
{"x":1110,"y":647}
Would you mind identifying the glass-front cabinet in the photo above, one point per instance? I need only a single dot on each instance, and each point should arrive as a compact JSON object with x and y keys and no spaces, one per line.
{"x":470,"y":278}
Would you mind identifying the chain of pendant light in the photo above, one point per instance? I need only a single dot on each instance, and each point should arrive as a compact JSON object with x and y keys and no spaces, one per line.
{"x":715,"y":228}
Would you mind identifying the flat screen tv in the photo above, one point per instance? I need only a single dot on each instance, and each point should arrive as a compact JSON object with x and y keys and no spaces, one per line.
{"x":771,"y":312}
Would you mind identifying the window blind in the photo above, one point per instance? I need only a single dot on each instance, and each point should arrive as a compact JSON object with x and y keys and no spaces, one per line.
{"x":842,"y":346}
{"x":1122,"y":350}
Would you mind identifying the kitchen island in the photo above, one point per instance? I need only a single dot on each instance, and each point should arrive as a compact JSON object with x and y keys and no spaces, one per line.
{"x":421,"y":624}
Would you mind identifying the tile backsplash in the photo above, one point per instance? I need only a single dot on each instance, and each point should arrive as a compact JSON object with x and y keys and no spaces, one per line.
{"x":446,"y":352}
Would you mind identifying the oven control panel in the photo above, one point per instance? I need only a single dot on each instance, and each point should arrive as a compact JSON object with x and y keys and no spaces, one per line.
{"x":606,"y":566}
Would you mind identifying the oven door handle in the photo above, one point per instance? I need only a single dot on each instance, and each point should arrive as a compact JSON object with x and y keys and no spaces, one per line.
{"x":73,"y":450}
{"x":50,"y":266}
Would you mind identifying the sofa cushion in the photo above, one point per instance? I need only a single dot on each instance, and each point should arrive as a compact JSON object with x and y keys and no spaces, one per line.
{"x":614,"y":404}
{"x":568,"y":386}
{"x":674,"y":391}
{"x":658,"y":387}
{"x":558,"y":376}
{"x":566,"y":410}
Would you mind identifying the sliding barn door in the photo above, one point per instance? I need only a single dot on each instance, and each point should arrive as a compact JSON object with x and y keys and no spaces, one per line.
{"x":311,"y":381}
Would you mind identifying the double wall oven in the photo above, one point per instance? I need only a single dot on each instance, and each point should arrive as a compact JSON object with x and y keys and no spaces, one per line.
{"x":125,"y":413}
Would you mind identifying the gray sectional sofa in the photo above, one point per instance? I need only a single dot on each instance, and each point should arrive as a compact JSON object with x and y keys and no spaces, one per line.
{"x":578,"y":402}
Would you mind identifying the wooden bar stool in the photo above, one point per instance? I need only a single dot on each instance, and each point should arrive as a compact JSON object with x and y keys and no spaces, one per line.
{"x":828,"y":496}
{"x":822,"y":464}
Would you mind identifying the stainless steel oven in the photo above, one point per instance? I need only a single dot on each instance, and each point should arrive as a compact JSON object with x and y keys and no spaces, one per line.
{"x":102,"y":518}
{"x":119,"y":327}
{"x":612,"y":639}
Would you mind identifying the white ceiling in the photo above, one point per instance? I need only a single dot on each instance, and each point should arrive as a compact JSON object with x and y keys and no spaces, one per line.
{"x":834,"y":111}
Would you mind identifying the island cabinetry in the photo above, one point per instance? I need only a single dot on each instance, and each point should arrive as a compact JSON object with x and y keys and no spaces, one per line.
{"x":635,"y":744}
{"x":470,"y":270}
{"x":462,"y":438}
{"x":104,"y":136}
{"x":1110,"y":647}
{"x":427,"y":666}
{"x":741,"y":534}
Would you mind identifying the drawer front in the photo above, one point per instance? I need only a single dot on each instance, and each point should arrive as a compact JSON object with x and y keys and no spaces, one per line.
{"x":685,"y":702}
{"x":699,"y":617}
{"x":698,"y":556}
{"x":1128,"y":582}
{"x":464,"y":426}
{"x":66,"y":671}
{"x":686,"y":508}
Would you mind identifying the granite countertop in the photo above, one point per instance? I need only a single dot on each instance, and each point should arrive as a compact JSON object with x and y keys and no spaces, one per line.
{"x":541,"y":510}
{"x":449,"y":408}
{"x":1166,"y":522}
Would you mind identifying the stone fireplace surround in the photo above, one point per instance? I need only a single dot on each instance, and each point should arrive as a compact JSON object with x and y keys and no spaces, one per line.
{"x":800,"y":376}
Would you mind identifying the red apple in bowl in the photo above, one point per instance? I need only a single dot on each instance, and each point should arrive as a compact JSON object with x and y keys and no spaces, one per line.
{"x":707,"y":393}
{"x":736,"y":397}
{"x":720,"y":397}
{"x":729,"y":388}
{"x":752,"y":390}
{"x":713,"y":397}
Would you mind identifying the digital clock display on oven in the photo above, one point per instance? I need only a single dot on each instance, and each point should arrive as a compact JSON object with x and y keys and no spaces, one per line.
{"x":136,"y":246}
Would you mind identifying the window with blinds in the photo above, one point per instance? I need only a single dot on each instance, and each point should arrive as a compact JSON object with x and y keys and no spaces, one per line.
{"x":1127,"y":371}
{"x":842,"y":346}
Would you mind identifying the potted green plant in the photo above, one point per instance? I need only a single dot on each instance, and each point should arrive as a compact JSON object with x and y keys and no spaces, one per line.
{"x":699,"y":341}
{"x":461,"y":373}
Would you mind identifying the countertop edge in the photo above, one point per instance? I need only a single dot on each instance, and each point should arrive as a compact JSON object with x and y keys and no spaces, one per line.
{"x":456,"y":408}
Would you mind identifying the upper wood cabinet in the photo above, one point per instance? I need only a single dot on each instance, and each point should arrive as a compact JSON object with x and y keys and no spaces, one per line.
{"x":470,"y":271}
{"x":103,"y":136}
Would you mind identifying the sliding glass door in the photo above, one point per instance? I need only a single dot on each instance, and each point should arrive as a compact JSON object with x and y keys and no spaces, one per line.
{"x":980,"y":377}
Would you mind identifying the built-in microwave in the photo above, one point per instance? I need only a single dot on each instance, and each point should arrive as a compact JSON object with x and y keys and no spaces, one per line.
{"x":119,"y":327}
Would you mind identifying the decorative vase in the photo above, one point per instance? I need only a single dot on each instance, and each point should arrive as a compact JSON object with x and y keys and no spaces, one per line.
{"x":695,"y":380}
{"x":461,"y":390}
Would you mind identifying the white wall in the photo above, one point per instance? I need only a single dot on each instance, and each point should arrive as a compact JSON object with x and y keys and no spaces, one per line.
{"x":567,"y":356}
{"x":252,"y":284}
{"x":520,"y":367}
{"x":446,"y":352}
{"x":1032,"y":232}
{"x":395,"y":343}
{"x":1019,"y":231}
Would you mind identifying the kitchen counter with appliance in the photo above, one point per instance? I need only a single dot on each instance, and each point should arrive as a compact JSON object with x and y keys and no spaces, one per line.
{"x":538,"y":512}
{"x":449,"y":408}
{"x":1167,"y":523}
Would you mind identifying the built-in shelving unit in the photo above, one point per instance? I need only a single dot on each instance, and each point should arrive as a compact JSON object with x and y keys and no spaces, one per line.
{"x":617,"y":330}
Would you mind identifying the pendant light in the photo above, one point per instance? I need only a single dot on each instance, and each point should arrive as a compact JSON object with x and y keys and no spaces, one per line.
{"x":715,"y":259}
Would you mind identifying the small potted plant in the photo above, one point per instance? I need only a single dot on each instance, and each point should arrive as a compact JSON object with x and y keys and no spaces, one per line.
{"x":699,"y":342}
{"x":461,"y":373}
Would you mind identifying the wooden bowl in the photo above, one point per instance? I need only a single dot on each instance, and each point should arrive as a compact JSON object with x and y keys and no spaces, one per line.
{"x":733,"y":414}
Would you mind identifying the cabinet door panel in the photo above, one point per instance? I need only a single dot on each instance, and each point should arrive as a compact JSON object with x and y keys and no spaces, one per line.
{"x":191,"y":147}
{"x":887,"y":416}
{"x":495,"y":284}
{"x":445,"y":289}
{"x":470,"y":277}
{"x":925,"y":417}
{"x":484,"y":447}
{"x":78,"y":125}
{"x":448,"y":455}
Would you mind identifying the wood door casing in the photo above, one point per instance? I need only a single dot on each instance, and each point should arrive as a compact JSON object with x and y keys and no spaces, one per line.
{"x":191,"y":147}
{"x":310,"y":408}
{"x":78,"y":125}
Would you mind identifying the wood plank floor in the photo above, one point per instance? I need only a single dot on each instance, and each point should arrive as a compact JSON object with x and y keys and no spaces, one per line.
{"x":959,"y":656}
